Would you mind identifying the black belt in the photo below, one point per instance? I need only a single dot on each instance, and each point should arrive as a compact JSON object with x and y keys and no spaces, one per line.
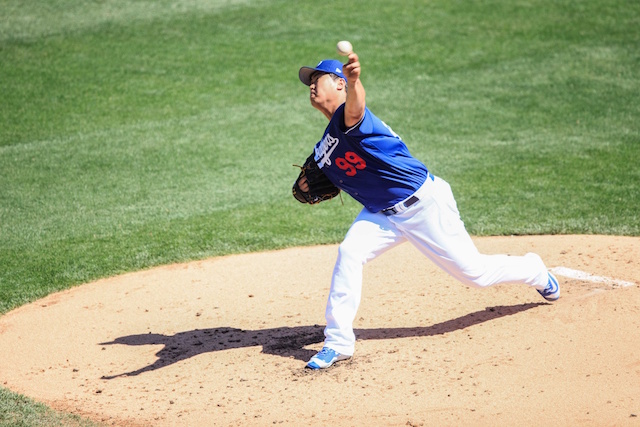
{"x":394,"y":209}
{"x":409,"y":202}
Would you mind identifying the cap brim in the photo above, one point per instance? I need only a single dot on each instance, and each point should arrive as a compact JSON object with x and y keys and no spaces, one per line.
{"x":305,"y":74}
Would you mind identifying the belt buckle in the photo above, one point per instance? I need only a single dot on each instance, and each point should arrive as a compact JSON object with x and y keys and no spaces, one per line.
{"x":404,"y":204}
{"x":390,"y":211}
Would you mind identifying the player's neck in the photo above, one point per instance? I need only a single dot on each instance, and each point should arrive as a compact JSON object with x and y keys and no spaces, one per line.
{"x":327,"y":109}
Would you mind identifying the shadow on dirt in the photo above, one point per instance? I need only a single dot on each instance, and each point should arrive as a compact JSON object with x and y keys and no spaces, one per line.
{"x":287,"y":341}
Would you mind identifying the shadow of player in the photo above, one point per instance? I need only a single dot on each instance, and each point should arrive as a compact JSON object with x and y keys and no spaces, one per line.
{"x":287,"y":341}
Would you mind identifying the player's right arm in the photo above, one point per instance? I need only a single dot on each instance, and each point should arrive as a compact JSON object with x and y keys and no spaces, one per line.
{"x":354,"y":106}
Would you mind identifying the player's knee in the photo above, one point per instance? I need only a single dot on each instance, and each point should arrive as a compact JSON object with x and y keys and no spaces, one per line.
{"x":350,"y":252}
{"x":475,"y":276}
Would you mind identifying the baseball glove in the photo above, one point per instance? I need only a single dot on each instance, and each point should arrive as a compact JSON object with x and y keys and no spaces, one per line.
{"x":320,"y":188}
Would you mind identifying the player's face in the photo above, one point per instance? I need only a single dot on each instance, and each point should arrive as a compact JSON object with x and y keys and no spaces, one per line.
{"x":322,"y":88}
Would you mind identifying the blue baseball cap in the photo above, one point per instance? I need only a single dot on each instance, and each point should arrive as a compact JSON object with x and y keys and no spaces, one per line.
{"x":332,"y":66}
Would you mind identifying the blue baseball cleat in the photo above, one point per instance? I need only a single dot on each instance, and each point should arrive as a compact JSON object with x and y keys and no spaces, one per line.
{"x":552,"y":291}
{"x":325,"y":358}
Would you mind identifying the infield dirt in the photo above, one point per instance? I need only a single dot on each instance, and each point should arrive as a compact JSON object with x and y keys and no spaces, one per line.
{"x":224,"y":341}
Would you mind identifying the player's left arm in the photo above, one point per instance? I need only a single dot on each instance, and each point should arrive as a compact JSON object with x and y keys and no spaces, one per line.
{"x":354,"y":106}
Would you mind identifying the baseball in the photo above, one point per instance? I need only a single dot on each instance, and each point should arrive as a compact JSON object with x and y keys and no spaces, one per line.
{"x":344,"y":48}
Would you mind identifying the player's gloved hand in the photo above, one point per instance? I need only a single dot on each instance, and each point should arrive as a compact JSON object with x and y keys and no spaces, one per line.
{"x":312,"y":185}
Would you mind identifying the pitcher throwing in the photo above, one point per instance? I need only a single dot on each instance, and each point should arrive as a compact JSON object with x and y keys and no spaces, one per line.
{"x":403,"y":201}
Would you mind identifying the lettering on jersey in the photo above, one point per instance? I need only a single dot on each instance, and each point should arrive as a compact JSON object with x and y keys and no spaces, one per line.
{"x":324,"y":150}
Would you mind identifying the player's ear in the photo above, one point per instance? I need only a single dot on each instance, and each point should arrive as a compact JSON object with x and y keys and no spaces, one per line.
{"x":341,"y":84}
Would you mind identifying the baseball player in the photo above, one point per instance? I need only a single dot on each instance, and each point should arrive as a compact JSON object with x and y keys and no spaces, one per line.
{"x":403,"y":201}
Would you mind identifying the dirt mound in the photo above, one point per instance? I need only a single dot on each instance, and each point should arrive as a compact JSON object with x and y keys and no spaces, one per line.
{"x":224,"y":342}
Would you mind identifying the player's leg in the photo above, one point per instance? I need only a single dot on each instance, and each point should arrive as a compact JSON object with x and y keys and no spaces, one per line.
{"x":435,"y":228}
{"x":369,"y":236}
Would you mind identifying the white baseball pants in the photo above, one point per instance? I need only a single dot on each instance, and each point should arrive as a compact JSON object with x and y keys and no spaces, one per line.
{"x":434,"y":226}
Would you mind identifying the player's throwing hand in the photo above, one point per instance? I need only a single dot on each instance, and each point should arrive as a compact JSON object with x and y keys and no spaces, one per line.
{"x":351,"y":69}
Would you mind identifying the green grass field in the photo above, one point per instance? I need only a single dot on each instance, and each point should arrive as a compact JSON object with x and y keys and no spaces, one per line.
{"x":139,"y":133}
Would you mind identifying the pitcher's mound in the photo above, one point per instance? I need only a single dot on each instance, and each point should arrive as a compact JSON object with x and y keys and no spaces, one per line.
{"x":224,"y":342}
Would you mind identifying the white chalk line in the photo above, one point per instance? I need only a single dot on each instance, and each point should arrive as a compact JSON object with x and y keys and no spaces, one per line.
{"x":583,"y":275}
